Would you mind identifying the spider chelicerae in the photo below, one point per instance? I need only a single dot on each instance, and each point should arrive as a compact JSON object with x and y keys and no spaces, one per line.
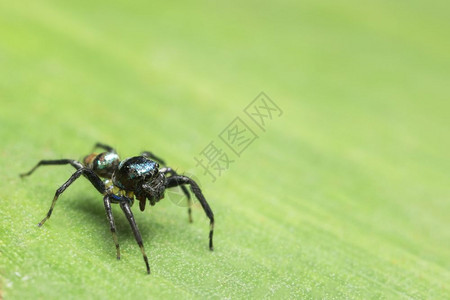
{"x":121,"y":182}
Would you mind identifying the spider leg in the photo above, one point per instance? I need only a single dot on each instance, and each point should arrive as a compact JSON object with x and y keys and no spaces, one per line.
{"x":112,"y":225}
{"x":76,"y":164}
{"x":125,"y":206}
{"x":89,"y":174}
{"x":150,"y":155}
{"x":104,"y":147}
{"x":179,"y":180}
{"x":172,"y":172}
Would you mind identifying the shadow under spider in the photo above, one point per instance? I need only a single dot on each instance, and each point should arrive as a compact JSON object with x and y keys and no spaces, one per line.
{"x":97,"y":216}
{"x":94,"y":210}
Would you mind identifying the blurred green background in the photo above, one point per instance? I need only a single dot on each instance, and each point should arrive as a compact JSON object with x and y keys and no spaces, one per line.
{"x":345,"y":195}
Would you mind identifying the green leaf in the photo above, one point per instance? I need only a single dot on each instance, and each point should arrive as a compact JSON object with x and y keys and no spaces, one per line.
{"x":343,"y":194}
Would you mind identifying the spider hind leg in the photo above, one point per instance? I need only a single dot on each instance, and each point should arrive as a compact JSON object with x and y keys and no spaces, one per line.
{"x":89,"y":174}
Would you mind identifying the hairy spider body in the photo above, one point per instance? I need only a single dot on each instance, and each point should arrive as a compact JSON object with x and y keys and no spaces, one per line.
{"x":121,"y":182}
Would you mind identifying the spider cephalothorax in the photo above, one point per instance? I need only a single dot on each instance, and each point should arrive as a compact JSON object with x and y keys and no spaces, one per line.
{"x":142,"y":176}
{"x":120,"y":182}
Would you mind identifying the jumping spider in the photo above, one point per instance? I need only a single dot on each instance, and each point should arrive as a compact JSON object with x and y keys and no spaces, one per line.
{"x":120,"y":182}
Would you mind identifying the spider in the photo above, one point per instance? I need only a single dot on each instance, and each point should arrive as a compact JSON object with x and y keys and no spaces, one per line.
{"x":120,"y":182}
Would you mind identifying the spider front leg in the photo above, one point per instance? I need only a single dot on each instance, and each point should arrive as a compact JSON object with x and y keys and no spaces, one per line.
{"x":180,"y":180}
{"x":172,"y":172}
{"x":125,"y":206}
{"x":112,"y":224}
{"x":76,"y":164}
{"x":89,"y":174}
